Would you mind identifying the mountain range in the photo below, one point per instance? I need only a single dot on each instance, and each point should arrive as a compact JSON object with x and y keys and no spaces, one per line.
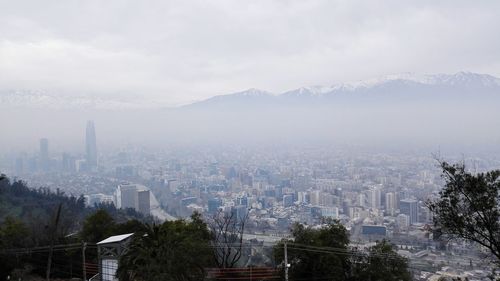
{"x":400,"y":87}
{"x":444,"y":109}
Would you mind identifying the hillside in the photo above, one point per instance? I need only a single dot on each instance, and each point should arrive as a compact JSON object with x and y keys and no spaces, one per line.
{"x":37,"y":208}
{"x":27,"y":218}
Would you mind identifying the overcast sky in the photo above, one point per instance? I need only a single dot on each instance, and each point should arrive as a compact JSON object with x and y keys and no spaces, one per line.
{"x":180,"y":51}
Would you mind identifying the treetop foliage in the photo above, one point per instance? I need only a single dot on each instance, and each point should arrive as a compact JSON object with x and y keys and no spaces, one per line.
{"x":324,"y":254}
{"x":468,"y":206}
{"x":174,"y":250}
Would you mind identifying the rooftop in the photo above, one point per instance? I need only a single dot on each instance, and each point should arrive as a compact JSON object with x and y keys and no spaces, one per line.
{"x":116,"y":238}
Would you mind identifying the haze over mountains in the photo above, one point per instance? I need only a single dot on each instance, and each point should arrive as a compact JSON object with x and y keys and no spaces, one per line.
{"x":459,"y":109}
{"x":402,"y":87}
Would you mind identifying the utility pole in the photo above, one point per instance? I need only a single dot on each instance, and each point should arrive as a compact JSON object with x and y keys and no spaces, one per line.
{"x":52,"y":234}
{"x":286,"y":263}
{"x":84,"y":246}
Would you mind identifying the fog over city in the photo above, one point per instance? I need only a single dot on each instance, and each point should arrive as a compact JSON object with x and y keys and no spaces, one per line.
{"x":286,"y":140}
{"x":458,"y":111}
{"x":135,"y":69}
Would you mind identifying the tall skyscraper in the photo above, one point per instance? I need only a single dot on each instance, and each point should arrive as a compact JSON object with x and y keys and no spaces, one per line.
{"x":91,"y":146}
{"x":409,"y":207}
{"x":44,"y":154}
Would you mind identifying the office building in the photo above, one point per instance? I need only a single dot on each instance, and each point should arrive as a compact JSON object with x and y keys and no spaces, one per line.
{"x":214,"y":205}
{"x":373,"y":230}
{"x":409,"y":207}
{"x":143,"y":202}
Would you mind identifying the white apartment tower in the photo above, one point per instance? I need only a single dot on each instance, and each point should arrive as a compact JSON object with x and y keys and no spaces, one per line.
{"x":133,"y":196}
{"x":374,"y":197}
{"x":390,"y":203}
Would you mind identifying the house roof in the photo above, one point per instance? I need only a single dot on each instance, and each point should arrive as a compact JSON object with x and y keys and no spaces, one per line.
{"x":116,"y":238}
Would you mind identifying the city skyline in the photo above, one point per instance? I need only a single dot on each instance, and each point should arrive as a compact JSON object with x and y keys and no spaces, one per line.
{"x":253,"y":140}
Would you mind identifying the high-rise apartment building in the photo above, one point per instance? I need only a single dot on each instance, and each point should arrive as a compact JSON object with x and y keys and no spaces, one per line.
{"x":374,"y":197}
{"x":127,"y":196}
{"x":390,"y":203}
{"x":133,"y":196}
{"x":316,"y":197}
{"x":361,"y":200}
{"x":91,"y":146}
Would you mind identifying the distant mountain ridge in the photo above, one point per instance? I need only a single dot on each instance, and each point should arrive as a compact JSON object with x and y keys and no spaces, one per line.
{"x":395,"y":86}
{"x":390,"y":86}
{"x":44,"y":100}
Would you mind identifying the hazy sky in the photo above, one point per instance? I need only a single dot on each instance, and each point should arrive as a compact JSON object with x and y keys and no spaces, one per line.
{"x":180,"y":51}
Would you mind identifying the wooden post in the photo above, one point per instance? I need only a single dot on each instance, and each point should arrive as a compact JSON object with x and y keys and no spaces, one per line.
{"x":84,"y":271}
{"x":53,"y":233}
{"x":286,"y":263}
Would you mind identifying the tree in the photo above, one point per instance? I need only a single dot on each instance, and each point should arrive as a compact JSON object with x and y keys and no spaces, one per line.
{"x":13,"y":234}
{"x":467,"y":206}
{"x":317,"y":253}
{"x":131,"y":226}
{"x":382,"y":263}
{"x":175,"y":250}
{"x":227,"y":238}
{"x":97,"y":226}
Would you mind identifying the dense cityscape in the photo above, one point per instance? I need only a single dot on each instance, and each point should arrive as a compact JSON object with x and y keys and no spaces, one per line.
{"x":374,"y":195}
{"x":262,"y":140}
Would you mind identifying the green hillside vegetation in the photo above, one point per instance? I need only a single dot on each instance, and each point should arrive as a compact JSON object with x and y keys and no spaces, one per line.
{"x":27,"y":218}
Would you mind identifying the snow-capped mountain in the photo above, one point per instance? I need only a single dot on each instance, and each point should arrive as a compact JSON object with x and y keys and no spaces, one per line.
{"x":310,"y":91}
{"x":389,"y":88}
{"x":460,"y":79}
{"x":42,"y":100}
{"x":386,"y":88}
